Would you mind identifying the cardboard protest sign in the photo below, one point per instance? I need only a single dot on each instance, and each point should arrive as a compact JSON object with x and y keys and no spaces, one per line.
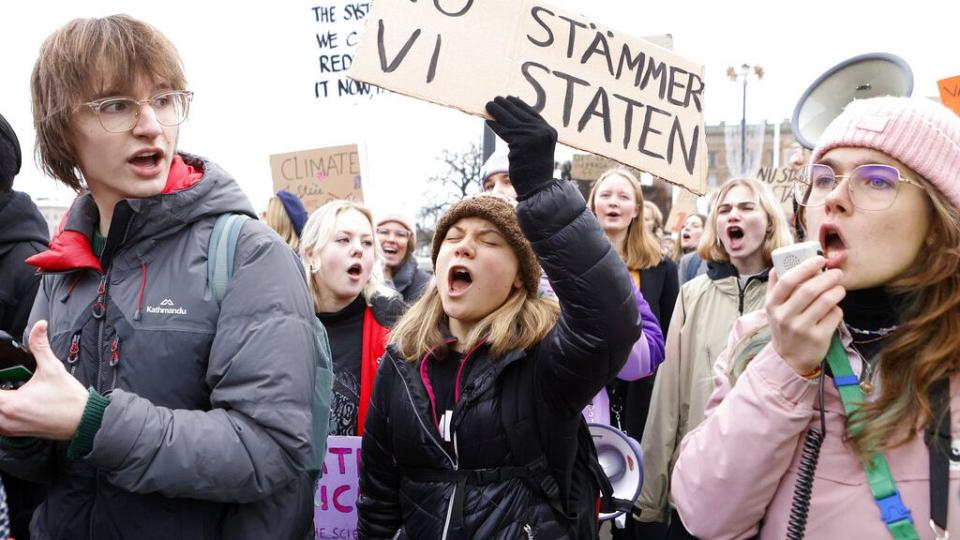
{"x":685,"y":205}
{"x":335,"y":502}
{"x":589,"y":167}
{"x":780,"y":181}
{"x":336,"y":26}
{"x":950,"y":93}
{"x":605,"y":92}
{"x":319,"y":175}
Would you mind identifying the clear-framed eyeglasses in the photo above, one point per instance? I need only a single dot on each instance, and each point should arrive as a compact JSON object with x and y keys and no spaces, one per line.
{"x":871,"y":187}
{"x":120,"y":114}
{"x":399,"y":234}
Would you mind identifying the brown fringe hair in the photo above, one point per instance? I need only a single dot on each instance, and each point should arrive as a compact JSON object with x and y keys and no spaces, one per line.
{"x":643,"y":249}
{"x":519,"y":323}
{"x":86,"y":59}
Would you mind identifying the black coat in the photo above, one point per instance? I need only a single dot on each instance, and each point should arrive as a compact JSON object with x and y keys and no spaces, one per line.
{"x":23,"y":233}
{"x":405,"y":482}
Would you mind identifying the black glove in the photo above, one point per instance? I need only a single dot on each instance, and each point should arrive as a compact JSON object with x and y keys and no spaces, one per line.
{"x":531,"y":141}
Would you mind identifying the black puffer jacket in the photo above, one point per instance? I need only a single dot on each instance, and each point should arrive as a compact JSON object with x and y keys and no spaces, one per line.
{"x":23,"y":233}
{"x":406,"y":489}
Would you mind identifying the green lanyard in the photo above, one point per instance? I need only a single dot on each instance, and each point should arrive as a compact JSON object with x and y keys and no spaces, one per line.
{"x":892,"y":510}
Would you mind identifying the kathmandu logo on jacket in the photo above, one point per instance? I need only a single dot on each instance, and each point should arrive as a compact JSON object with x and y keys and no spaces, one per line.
{"x":167,"y":306}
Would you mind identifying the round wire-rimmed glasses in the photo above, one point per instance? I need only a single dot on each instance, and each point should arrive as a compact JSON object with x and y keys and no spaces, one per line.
{"x":871,"y":187}
{"x":120,"y":114}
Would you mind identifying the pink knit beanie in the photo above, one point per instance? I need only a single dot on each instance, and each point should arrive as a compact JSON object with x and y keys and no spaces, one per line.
{"x":919,"y":133}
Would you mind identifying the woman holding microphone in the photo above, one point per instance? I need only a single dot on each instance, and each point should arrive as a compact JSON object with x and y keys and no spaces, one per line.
{"x":882,"y":196}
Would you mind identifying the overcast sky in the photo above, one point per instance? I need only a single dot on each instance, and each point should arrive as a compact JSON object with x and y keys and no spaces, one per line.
{"x":252,"y":67}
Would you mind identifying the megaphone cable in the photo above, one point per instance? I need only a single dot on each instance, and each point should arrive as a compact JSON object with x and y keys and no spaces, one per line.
{"x":802,"y":490}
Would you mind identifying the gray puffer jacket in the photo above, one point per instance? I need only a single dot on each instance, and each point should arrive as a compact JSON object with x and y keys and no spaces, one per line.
{"x":208,"y":430}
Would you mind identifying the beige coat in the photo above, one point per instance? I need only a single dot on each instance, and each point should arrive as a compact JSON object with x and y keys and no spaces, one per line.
{"x":706,"y":309}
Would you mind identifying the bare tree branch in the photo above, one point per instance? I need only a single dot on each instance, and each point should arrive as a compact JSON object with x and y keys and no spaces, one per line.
{"x":460,"y":178}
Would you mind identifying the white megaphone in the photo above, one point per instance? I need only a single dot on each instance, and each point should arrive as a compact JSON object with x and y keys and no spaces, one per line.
{"x":622,"y":462}
{"x":860,"y":77}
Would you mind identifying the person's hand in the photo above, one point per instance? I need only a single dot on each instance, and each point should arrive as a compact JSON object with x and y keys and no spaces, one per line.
{"x":50,"y":404}
{"x":803,"y":313}
{"x":531,"y":141}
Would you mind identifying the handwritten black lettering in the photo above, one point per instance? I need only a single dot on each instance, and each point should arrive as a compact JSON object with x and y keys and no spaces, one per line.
{"x":568,"y":93}
{"x":466,"y":7}
{"x":599,"y":99}
{"x":389,"y":67}
{"x":317,"y":86}
{"x":632,"y":63}
{"x":628,"y":118}
{"x":535,"y":13}
{"x":647,"y":129}
{"x":327,"y":40}
{"x":658,"y":71}
{"x":599,"y":46}
{"x":353,"y":38}
{"x":432,"y":70}
{"x":356,"y":11}
{"x":334,"y":63}
{"x":324,"y":14}
{"x":689,"y":157}
{"x":572,"y":37}
{"x":537,"y":87}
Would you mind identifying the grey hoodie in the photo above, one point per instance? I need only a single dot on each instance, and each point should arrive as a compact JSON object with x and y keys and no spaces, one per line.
{"x":208,"y":429}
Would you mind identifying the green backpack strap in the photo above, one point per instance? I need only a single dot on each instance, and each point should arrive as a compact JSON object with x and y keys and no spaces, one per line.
{"x":220,"y":258}
{"x":220,"y":253}
{"x":892,"y":510}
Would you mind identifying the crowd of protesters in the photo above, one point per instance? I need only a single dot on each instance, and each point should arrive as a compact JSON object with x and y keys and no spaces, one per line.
{"x":178,"y":394}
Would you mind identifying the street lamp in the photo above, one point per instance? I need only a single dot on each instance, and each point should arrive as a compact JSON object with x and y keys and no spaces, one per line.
{"x":743,"y":74}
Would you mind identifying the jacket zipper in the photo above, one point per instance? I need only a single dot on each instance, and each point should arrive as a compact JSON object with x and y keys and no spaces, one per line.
{"x":453,"y":497}
{"x":74,"y":353}
{"x":99,"y":313}
{"x":454,"y":461}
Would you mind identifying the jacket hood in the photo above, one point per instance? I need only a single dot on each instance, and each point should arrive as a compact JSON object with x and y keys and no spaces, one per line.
{"x":718,"y":270}
{"x":196,"y":189}
{"x":20,"y":220}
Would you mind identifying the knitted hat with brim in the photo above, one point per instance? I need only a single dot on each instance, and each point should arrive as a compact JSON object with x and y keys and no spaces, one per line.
{"x":919,"y":133}
{"x":503,"y":216}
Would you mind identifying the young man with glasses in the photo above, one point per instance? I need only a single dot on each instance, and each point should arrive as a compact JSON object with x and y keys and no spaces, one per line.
{"x":398,"y":240}
{"x":154,"y":412}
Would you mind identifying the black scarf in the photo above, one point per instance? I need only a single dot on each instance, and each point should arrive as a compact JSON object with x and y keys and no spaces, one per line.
{"x":869,"y":309}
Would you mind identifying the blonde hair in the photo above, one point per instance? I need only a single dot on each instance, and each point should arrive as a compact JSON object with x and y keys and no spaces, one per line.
{"x":277,"y":219}
{"x":642,"y":249}
{"x":86,"y":58}
{"x":657,"y":216}
{"x":777,"y":234}
{"x":520,"y":322}
{"x":319,"y":231}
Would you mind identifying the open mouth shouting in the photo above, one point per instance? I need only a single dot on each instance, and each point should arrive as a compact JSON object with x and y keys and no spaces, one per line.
{"x":735,"y":237}
{"x":834,"y":248}
{"x":147,"y":162}
{"x":355,"y":271}
{"x":459,"y":281}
